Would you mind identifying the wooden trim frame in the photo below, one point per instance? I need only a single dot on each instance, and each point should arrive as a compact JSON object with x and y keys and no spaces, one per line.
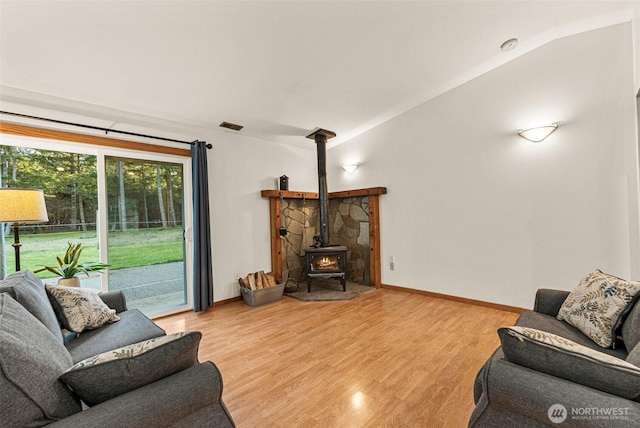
{"x":373,"y":193}
{"x":275,"y":208}
{"x":73,"y":137}
{"x":375,"y":266}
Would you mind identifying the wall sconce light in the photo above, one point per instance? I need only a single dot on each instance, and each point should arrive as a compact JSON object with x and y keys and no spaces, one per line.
{"x":539,"y":133}
{"x":350,"y":168}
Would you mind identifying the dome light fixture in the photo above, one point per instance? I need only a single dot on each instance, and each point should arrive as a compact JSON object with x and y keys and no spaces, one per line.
{"x":539,"y":133}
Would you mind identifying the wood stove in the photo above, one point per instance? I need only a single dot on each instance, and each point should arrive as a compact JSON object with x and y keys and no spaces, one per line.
{"x":326,"y":262}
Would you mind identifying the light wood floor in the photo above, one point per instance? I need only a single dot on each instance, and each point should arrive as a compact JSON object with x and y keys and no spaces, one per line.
{"x":387,"y":359}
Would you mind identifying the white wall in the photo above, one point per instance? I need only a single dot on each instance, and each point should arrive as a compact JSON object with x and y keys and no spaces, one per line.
{"x":473,"y":210}
{"x":636,"y":45}
{"x":240,"y":167}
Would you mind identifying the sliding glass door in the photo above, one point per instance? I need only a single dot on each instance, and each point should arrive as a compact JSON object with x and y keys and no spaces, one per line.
{"x":145,"y":225}
{"x":127,"y":208}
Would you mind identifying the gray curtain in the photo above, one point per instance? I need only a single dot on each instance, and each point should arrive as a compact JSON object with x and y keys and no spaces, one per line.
{"x":202,"y":263}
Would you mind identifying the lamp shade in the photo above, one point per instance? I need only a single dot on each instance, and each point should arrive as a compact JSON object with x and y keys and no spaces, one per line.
{"x":22,"y":206}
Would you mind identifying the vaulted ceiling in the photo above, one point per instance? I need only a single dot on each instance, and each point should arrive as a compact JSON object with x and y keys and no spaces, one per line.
{"x":279,"y":68}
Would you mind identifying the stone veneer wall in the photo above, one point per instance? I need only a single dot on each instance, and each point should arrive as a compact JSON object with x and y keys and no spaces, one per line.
{"x":348,"y":226}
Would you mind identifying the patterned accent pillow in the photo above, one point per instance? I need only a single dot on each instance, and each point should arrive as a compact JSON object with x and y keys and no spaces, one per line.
{"x":598,"y":304}
{"x":128,"y":351}
{"x":79,"y":309}
{"x":522,"y":333}
{"x":117,"y":372}
{"x":560,"y":357}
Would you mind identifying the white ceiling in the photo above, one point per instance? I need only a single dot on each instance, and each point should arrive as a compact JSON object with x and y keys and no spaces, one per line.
{"x":280,"y":68}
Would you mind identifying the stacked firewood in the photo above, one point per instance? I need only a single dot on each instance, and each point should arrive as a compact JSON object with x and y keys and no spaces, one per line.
{"x":258,"y":280}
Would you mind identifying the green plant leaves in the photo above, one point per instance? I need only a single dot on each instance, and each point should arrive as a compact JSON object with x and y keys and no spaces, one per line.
{"x":69,"y":266}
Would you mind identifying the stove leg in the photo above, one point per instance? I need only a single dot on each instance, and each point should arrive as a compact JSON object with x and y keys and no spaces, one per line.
{"x":308,"y":284}
{"x":344,"y":283}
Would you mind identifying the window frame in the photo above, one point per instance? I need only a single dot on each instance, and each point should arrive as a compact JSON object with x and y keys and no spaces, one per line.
{"x":55,"y":140}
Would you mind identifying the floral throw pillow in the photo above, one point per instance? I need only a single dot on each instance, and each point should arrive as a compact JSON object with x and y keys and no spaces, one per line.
{"x":79,"y":309}
{"x":128,"y":351}
{"x":597,"y":306}
{"x":113,"y":373}
{"x":560,"y":357}
{"x":559,"y":342}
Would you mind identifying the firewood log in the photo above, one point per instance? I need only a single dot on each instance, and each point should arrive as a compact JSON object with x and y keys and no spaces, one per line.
{"x":251,"y":280}
{"x":255,"y":279}
{"x":243,"y":284}
{"x":271,"y":280}
{"x":261,"y":281}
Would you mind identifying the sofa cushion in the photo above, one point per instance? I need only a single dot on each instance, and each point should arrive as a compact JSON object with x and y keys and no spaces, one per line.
{"x":551,"y":324}
{"x":31,"y":360}
{"x":27,"y":289}
{"x":598,"y":304}
{"x":116,"y":372}
{"x":79,"y":309}
{"x":634,"y":356}
{"x":133,"y":327}
{"x":557,"y":356}
{"x":631,"y":328}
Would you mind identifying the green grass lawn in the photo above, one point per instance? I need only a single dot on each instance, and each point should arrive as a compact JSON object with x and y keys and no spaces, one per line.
{"x":131,"y":248}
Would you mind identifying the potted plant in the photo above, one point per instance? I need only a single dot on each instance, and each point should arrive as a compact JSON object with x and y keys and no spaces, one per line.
{"x":69,"y":266}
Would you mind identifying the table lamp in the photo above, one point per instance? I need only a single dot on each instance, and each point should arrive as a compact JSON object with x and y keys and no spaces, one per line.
{"x":21,"y":206}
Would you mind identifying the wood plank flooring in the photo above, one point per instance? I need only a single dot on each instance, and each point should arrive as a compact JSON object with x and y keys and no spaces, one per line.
{"x":386,"y":359}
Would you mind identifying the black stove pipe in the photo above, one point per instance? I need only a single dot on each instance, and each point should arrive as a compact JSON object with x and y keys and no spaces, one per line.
{"x":320,"y":136}
{"x":323,"y":198}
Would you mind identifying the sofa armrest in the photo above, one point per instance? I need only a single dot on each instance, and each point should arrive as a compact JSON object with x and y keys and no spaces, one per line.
{"x":549,"y":301}
{"x":513,"y":395}
{"x":189,"y":398}
{"x":115,"y":300}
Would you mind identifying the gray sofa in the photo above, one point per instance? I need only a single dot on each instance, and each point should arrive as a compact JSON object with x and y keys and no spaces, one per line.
{"x":546,"y":386}
{"x":48,"y":376}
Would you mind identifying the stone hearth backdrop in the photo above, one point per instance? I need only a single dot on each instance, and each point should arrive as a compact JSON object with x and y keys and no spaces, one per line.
{"x":348,"y":226}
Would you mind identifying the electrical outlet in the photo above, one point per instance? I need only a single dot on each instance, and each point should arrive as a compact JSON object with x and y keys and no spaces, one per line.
{"x":392,"y":263}
{"x":236,"y":276}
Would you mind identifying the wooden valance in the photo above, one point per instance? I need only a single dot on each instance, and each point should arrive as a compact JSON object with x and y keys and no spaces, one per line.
{"x":74,"y":137}
{"x":288,"y":194}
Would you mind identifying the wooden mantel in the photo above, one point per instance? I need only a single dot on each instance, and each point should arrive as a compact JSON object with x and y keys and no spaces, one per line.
{"x":275,"y":209}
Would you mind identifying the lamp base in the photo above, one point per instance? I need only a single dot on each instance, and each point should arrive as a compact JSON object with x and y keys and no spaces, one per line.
{"x":16,"y":245}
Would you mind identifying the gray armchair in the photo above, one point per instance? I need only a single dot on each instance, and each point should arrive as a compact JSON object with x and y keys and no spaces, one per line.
{"x":126,"y":373}
{"x":190,"y":398}
{"x":563,"y":386}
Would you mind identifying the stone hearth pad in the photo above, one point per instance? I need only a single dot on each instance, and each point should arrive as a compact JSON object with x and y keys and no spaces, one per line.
{"x":329,"y":289}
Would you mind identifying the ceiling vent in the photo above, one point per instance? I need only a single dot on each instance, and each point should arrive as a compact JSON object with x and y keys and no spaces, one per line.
{"x":231,"y":126}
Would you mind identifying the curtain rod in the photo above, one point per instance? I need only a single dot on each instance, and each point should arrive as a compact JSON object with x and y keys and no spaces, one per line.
{"x":99,"y":128}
